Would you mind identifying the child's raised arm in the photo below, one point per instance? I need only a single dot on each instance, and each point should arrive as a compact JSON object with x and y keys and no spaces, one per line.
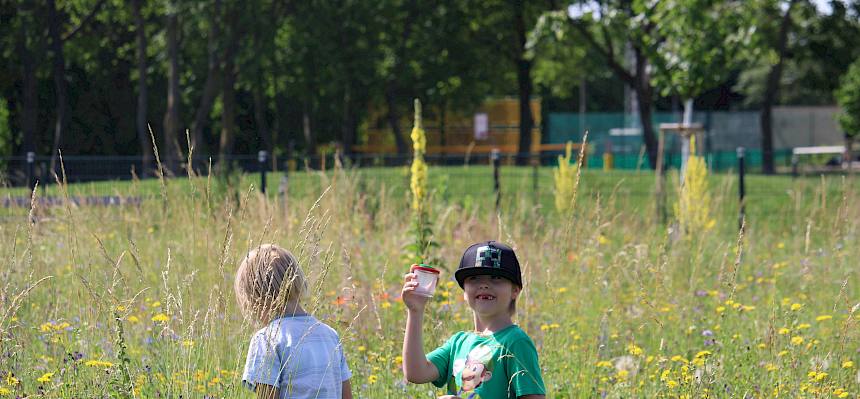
{"x":416,"y":368}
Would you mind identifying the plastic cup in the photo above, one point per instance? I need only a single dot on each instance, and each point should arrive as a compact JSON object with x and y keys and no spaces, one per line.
{"x":427,"y":278}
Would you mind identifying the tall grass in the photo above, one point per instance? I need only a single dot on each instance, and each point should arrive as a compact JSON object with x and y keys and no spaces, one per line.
{"x":136,"y":301}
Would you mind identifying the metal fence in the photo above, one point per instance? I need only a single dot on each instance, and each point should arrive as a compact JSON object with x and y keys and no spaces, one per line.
{"x":21,"y":172}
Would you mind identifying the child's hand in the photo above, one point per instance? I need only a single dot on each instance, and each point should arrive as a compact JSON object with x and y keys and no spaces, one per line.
{"x":412,"y":300}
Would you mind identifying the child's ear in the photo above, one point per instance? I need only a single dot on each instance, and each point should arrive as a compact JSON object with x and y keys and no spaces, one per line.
{"x":516,"y":292}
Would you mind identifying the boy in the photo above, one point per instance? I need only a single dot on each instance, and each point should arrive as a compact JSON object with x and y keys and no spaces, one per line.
{"x":295,"y":355}
{"x":497,"y":359}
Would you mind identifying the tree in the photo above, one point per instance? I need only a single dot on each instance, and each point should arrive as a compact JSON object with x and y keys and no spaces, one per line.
{"x":848,"y":97}
{"x":228,"y":91}
{"x":695,"y":45}
{"x":56,"y":24}
{"x":779,"y":44}
{"x":171,"y":152}
{"x":609,"y":26}
{"x":29,"y":109}
{"x":142,"y":90}
{"x":210,"y":86}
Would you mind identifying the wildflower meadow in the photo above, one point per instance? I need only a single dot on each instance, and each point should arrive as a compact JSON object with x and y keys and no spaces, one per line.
{"x":136,"y":301}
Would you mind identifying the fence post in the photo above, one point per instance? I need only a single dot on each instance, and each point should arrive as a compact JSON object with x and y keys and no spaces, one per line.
{"x":262,"y":157}
{"x":31,"y":179}
{"x":535,"y":170}
{"x":794,"y":165}
{"x":494,"y":157}
{"x":741,"y":186}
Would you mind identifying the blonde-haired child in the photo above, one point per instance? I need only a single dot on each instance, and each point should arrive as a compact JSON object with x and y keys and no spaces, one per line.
{"x":294,"y":355}
{"x":495,"y":360}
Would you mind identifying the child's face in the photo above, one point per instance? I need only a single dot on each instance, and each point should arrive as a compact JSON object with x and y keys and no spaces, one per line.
{"x":489,"y":295}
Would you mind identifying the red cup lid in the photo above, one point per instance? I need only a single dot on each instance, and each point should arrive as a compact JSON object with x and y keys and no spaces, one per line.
{"x":423,"y":267}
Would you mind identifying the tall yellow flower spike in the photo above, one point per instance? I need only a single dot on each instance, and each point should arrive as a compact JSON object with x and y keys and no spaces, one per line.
{"x":694,"y":202}
{"x":418,"y":184}
{"x":565,"y":180}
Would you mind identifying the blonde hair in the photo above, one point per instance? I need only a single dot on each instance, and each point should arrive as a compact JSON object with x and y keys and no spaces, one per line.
{"x":268,"y":278}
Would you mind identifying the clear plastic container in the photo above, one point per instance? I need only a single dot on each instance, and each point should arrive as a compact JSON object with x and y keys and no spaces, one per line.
{"x":427,"y":278}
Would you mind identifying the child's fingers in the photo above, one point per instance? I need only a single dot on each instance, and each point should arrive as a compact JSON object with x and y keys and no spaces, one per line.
{"x":410,"y":285}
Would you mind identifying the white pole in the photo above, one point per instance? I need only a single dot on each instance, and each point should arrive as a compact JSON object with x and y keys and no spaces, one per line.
{"x":685,"y":138}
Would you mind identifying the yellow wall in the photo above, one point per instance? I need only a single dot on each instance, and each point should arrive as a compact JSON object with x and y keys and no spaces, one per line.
{"x":504,"y":121}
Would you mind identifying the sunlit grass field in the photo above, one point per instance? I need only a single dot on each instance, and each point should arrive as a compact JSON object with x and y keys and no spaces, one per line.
{"x":137,"y":301}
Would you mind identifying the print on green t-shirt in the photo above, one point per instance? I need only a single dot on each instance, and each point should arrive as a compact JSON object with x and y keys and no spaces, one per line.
{"x":502,"y":365}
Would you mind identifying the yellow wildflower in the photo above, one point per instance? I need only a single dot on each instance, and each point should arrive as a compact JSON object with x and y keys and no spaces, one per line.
{"x":783,"y":331}
{"x":694,"y":200}
{"x":634,"y":350}
{"x":796,"y":340}
{"x":823,"y":317}
{"x":679,"y":358}
{"x":847,"y":364}
{"x":418,"y":183}
{"x":795,"y":307}
{"x":98,"y":363}
{"x":45,"y":378}
{"x":564,"y":177}
{"x":161,"y":317}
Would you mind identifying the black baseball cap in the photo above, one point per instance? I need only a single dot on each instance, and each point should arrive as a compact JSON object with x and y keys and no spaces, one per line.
{"x":489,"y":258}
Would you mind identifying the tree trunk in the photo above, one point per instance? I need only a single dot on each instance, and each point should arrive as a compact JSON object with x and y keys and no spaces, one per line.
{"x":261,"y":104}
{"x":307,"y":131}
{"x":228,"y":93}
{"x":60,"y":84}
{"x":394,"y":119}
{"x":645,"y":100}
{"x":141,"y":120}
{"x":170,"y":152}
{"x":771,"y":92}
{"x":348,"y":128}
{"x":260,"y":107}
{"x":525,"y":89}
{"x":29,"y":101}
{"x":210,"y":87}
{"x":392,"y":87}
{"x":524,"y":82}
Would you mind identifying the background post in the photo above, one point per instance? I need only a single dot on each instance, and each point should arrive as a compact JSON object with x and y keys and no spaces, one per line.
{"x":741,"y":186}
{"x":262,"y":158}
{"x":31,"y":178}
{"x":535,"y":170}
{"x":494,"y":157}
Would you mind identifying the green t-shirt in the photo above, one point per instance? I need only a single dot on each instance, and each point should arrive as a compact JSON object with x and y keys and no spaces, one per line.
{"x":503,"y":365}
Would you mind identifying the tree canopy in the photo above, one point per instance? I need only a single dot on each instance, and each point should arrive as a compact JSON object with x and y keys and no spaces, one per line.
{"x":88,"y":75}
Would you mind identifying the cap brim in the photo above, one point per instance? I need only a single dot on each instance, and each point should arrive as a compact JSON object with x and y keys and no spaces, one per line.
{"x":461,"y":274}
